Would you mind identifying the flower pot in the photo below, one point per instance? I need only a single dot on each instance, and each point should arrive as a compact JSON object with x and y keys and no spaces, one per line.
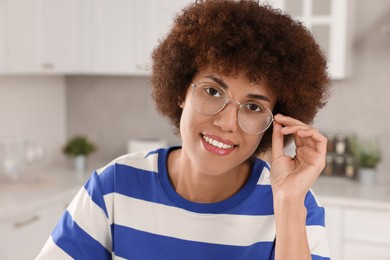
{"x":80,"y":163}
{"x":367,"y":176}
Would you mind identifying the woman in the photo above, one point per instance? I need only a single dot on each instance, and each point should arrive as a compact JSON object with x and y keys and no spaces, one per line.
{"x":218,"y":74}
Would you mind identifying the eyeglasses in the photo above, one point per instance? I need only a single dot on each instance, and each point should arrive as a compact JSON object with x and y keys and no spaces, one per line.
{"x":210,"y":98}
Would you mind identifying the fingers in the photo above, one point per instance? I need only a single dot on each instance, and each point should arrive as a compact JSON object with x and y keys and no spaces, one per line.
{"x":287,"y":121}
{"x":316,"y":139}
{"x":303,"y":133}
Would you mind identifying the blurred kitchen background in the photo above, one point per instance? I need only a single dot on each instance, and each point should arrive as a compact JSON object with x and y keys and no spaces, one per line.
{"x":70,"y":68}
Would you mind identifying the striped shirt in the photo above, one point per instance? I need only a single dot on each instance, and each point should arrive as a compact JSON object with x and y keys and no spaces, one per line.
{"x":130,"y":210}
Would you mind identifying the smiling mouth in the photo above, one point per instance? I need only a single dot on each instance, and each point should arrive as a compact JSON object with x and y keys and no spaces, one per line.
{"x":216,"y":143}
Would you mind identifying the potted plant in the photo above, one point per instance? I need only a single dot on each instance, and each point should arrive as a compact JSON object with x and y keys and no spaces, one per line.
{"x":79,"y":147}
{"x":367,"y":154}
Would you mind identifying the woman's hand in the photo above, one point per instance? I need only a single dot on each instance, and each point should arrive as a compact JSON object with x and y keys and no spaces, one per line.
{"x":291,"y":178}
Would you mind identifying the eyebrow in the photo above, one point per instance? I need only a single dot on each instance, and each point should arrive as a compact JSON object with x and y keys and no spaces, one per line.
{"x":225,"y":86}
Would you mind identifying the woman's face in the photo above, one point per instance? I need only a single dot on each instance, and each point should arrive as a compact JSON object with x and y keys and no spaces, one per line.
{"x":216,"y":144}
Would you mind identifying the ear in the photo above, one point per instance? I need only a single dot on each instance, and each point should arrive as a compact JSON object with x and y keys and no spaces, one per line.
{"x":180,"y":102}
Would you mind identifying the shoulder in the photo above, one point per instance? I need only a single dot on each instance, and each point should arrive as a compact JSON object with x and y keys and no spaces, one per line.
{"x":147,"y":161}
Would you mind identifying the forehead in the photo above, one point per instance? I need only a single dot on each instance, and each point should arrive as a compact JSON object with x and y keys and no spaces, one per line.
{"x":232,"y":75}
{"x":237,"y":81}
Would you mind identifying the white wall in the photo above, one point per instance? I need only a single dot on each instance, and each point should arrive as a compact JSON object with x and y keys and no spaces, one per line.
{"x":33,"y":108}
{"x":110,"y":110}
{"x":361,"y":103}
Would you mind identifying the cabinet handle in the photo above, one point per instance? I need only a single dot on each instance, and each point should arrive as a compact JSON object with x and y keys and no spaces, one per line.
{"x":26,"y":222}
{"x":48,"y":65}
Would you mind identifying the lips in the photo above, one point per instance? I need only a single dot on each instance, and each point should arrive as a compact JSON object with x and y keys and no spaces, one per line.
{"x":217,"y":145}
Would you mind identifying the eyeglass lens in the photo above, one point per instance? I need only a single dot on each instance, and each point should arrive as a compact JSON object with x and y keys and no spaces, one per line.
{"x":209,"y":99}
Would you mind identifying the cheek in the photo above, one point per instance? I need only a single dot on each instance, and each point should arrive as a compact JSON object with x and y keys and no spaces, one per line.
{"x":253,"y":142}
{"x":187,"y":117}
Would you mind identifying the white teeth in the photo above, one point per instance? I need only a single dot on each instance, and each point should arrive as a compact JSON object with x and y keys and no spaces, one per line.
{"x":217,"y":143}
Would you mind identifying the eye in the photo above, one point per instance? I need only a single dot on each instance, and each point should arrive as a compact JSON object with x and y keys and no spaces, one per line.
{"x":212,"y":91}
{"x":253,"y":107}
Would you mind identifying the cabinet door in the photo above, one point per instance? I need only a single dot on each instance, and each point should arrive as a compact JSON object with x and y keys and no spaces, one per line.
{"x":24,"y":237}
{"x":366,"y":225}
{"x":2,"y":40}
{"x":333,"y":223}
{"x":64,"y":33}
{"x":361,"y":251}
{"x":45,"y":36}
{"x":330,"y":23}
{"x":125,"y":33}
{"x":159,"y":19}
{"x":23,"y":35}
{"x":113,"y":36}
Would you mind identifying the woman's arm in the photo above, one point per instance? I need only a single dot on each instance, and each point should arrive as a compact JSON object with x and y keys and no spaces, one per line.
{"x":291,"y":179}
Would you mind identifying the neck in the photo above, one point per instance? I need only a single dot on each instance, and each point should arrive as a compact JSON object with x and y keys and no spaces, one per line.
{"x":203,"y":187}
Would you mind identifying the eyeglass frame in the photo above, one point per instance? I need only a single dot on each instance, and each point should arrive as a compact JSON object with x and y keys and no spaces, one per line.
{"x":228,"y":100}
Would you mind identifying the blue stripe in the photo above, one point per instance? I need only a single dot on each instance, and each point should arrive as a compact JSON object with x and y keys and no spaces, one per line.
{"x":76,"y":242}
{"x":134,"y":183}
{"x":145,"y":185}
{"x":260,"y":202}
{"x":94,"y":190}
{"x":317,"y":257}
{"x":315,"y":214}
{"x":135,"y":244}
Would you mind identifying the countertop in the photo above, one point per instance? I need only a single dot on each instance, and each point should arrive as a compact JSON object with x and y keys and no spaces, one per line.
{"x":58,"y":182}
{"x":340,"y":191}
{"x":40,"y":189}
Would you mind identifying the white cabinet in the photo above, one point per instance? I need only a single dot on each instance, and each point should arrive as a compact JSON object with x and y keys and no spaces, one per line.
{"x":358,"y":233}
{"x":367,"y":234}
{"x":117,"y":37}
{"x":15,"y":236}
{"x":44,"y":36}
{"x":2,"y":41}
{"x":78,"y":37}
{"x":330,"y":22}
{"x":25,"y":236}
{"x":113,"y":36}
{"x":22,"y":35}
{"x":362,"y":251}
{"x":125,"y":33}
{"x":333,"y":223}
{"x":65,"y":34}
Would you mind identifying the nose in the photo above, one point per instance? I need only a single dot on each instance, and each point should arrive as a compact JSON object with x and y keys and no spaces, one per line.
{"x":227,"y":119}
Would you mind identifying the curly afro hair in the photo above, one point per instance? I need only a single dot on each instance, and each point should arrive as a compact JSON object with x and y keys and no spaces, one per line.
{"x":241,"y":35}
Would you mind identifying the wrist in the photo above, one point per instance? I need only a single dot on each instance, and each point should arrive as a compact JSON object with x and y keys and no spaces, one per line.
{"x":288,"y":199}
{"x":287,"y":206}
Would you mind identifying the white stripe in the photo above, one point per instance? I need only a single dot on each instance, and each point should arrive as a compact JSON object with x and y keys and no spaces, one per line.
{"x":315,"y":198}
{"x":117,"y":257}
{"x":52,"y":251}
{"x":317,"y":239}
{"x":91,"y":218}
{"x":136,"y":160}
{"x":108,"y":200}
{"x":264,"y":177}
{"x":169,"y":221}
